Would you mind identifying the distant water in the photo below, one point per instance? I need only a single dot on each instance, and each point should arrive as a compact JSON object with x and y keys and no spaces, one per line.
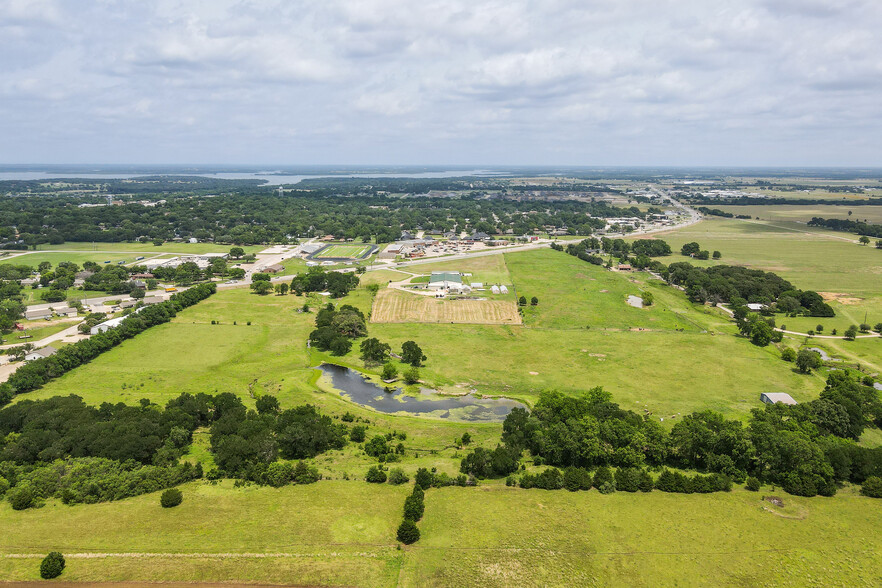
{"x":271,"y":178}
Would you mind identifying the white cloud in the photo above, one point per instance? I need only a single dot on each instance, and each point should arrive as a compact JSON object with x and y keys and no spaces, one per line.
{"x":389,"y":81}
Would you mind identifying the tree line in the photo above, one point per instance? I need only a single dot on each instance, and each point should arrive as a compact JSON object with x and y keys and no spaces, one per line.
{"x":807,"y":449}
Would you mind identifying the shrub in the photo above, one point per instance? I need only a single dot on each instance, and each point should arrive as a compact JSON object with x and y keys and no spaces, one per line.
{"x":304,"y":474}
{"x":20,"y":497}
{"x":872,"y":487}
{"x":375,"y":475}
{"x":414,"y":506}
{"x":602,"y":476}
{"x":628,"y":479}
{"x":278,"y":474}
{"x":753,"y":484}
{"x":424,"y":478}
{"x":171,"y":497}
{"x":397,"y":476}
{"x":788,"y":354}
{"x":4,"y":485}
{"x":408,"y":532}
{"x":411,"y":376}
{"x":52,"y":565}
{"x":576,"y":479}
{"x":357,"y":434}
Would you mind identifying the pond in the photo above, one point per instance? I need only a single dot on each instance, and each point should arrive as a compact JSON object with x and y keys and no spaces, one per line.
{"x":355,"y":387}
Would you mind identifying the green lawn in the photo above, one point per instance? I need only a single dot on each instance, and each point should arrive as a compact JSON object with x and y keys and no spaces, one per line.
{"x":32,"y":296}
{"x":78,"y":257}
{"x":349,"y":250}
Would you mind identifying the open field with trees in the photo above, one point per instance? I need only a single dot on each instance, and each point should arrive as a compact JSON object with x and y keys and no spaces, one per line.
{"x":342,"y":533}
{"x":148,"y":247}
{"x":830,"y":263}
{"x":804,"y":213}
{"x":395,"y":306}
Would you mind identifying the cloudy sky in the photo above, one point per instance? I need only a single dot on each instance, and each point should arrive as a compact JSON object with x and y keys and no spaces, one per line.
{"x":582,"y":82}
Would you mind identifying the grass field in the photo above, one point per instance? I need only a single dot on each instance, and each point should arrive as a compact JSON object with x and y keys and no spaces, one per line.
{"x":342,"y":533}
{"x":32,"y":296}
{"x":797,"y":213}
{"x":490,"y":269}
{"x":395,"y":306}
{"x":566,"y":539}
{"x":823,"y":261}
{"x":333,"y":532}
{"x":350,"y":251}
{"x":35,"y":258}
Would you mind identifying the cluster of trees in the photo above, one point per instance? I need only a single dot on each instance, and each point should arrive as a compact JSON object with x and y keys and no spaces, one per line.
{"x":36,"y":373}
{"x":718,"y":212}
{"x":693,"y":249}
{"x":848,"y":226}
{"x":639,"y":253}
{"x":740,"y":285}
{"x":807,"y":448}
{"x":64,"y":448}
{"x":335,"y":328}
{"x":247,"y":444}
{"x":316,"y":279}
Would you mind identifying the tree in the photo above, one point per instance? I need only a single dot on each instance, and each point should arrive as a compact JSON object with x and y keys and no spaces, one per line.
{"x":414,"y":507}
{"x":807,"y":360}
{"x":851,"y":332}
{"x":647,"y":299}
{"x":753,"y":484}
{"x":340,"y":346}
{"x":690,"y":249}
{"x":864,"y":240}
{"x":761,"y":333}
{"x":375,"y":475}
{"x":282,"y":289}
{"x":237,"y":252}
{"x":717,"y":255}
{"x":373,"y":351}
{"x":52,"y":565}
{"x":262,"y":287}
{"x":522,"y":301}
{"x":171,"y":497}
{"x":357,"y":434}
{"x":267,"y":404}
{"x":424,"y":478}
{"x":412,"y":354}
{"x":398,"y":477}
{"x":534,"y":301}
{"x":872,"y":487}
{"x":408,"y":532}
{"x":788,"y":354}
{"x":390,"y":372}
{"x":466,"y":438}
{"x":411,"y":376}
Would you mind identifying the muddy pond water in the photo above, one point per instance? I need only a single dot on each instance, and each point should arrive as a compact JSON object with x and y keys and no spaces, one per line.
{"x":391,"y":400}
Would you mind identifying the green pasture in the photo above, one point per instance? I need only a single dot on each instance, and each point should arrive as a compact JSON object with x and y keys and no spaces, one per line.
{"x":35,"y":258}
{"x":804,"y":213}
{"x":560,"y":538}
{"x":32,"y":296}
{"x":332,"y":532}
{"x":489,"y":269}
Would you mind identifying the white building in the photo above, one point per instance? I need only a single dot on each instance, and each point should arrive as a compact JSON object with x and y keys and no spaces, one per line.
{"x":47,"y":351}
{"x":110,"y":324}
{"x":773,"y":397}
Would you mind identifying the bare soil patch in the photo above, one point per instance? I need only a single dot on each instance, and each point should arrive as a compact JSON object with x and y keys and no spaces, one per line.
{"x":840,"y":297}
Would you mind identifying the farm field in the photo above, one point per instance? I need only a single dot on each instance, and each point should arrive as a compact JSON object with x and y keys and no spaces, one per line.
{"x":490,"y":269}
{"x":395,"y":306}
{"x":351,"y":251}
{"x":342,"y":533}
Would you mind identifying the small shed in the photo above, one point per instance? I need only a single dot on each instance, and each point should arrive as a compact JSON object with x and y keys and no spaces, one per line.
{"x":624,"y":267}
{"x":773,"y":397}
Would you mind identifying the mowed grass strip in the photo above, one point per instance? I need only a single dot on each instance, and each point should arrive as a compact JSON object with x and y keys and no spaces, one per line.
{"x":561,"y":538}
{"x":394,"y":306}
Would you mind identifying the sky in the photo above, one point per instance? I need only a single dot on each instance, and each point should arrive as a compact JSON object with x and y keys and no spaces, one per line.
{"x":540,"y":82}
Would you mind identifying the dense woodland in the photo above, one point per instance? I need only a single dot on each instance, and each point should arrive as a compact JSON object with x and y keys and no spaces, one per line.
{"x":246,"y":214}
